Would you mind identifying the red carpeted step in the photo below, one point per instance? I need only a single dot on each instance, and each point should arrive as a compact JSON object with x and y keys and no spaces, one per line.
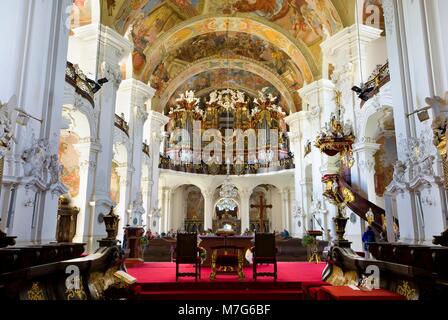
{"x":230,"y":285}
{"x":223,"y":295}
{"x":158,"y":282}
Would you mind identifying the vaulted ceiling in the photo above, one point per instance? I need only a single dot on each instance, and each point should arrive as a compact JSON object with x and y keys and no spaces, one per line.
{"x":189,"y":44}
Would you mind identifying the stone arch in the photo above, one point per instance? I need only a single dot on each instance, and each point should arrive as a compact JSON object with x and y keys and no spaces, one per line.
{"x":238,"y":64}
{"x":190,"y":197}
{"x":217,"y":198}
{"x":270,"y":193}
{"x":79,"y":114}
{"x":377,"y":128}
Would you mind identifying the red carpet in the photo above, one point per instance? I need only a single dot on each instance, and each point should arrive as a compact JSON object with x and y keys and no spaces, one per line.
{"x":158,"y":282}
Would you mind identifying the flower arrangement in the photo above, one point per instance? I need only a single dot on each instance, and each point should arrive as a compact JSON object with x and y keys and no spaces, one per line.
{"x":202,"y":253}
{"x":308,"y":240}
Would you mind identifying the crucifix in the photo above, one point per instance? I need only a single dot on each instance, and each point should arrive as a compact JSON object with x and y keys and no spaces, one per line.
{"x":262,"y":206}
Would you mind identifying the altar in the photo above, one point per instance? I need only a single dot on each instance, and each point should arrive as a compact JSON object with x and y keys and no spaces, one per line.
{"x":209,"y":241}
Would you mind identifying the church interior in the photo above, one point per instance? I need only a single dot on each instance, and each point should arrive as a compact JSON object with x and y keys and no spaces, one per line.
{"x":224,"y":149}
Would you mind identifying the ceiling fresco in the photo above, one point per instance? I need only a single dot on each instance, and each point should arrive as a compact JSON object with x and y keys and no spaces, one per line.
{"x":226,"y":45}
{"x":168,"y":35}
{"x":81,"y":13}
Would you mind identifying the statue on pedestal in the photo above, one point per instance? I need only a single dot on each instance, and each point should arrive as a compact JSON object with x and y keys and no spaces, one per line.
{"x":137,"y":210}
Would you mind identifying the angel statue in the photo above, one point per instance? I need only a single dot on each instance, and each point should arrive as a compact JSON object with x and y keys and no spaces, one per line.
{"x":213,"y":97}
{"x":399,"y":171}
{"x":240,"y":97}
{"x":55,"y":169}
{"x":348,"y":128}
{"x":6,"y":136}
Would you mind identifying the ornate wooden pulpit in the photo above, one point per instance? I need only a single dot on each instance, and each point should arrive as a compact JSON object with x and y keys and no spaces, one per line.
{"x":133,"y":236}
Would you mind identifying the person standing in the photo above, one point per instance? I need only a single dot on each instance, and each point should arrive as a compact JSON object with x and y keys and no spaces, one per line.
{"x":368,"y":237}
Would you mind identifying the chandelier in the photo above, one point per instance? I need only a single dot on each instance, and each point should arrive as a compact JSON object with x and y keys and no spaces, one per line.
{"x":337,"y":137}
{"x":226,"y":204}
{"x":228,"y":189}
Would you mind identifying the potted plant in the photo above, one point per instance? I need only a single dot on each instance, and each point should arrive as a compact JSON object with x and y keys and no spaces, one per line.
{"x":309,"y":242}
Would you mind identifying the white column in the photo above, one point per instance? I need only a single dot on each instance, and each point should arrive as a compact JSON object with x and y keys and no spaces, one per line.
{"x":157,"y":123}
{"x":417,"y":62}
{"x":124,"y":173}
{"x":101,"y":49}
{"x":133,"y":95}
{"x":166,"y":211}
{"x":318,"y":105}
{"x":365,"y":163}
{"x":245,"y":219}
{"x":34,"y":63}
{"x":87,"y":154}
{"x":208,"y":209}
{"x":285,"y":209}
{"x":146,"y":198}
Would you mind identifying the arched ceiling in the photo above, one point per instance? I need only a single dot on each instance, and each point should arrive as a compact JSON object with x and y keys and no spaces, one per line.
{"x":221,"y":72}
{"x":170,"y":36}
{"x":219,"y":79}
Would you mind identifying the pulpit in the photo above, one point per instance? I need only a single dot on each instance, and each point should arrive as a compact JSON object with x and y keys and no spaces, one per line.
{"x":133,"y":236}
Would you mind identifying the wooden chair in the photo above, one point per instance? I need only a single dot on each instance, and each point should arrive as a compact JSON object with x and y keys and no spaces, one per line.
{"x":264,"y":252}
{"x":187,"y":252}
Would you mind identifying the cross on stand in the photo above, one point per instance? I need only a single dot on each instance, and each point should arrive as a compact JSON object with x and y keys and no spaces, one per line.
{"x":262,"y":206}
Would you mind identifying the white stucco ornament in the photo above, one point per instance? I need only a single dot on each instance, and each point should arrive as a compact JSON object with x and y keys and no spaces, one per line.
{"x":137,"y":209}
{"x":6,"y":135}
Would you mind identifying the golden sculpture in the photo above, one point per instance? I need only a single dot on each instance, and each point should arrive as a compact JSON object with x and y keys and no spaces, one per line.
{"x":337,"y":137}
{"x":440,"y":143}
{"x":66,"y":223}
{"x":348,"y":196}
{"x":407,"y":291}
{"x":76,"y":294}
{"x":227,"y":269}
{"x":36,"y":293}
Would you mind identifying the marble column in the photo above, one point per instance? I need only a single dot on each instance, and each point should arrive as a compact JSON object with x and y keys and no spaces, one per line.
{"x":365,"y":159}
{"x":286,"y":212}
{"x":146,"y":198}
{"x":208,"y":209}
{"x":98,"y":50}
{"x":133,"y":95}
{"x":87,"y":154}
{"x":33,"y":60}
{"x":124,"y":173}
{"x":244,"y":209}
{"x":157,"y":122}
{"x":166,"y":210}
{"x":416,"y":64}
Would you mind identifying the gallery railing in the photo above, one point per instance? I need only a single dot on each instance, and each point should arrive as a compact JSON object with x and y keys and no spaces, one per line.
{"x":221,"y":169}
{"x":121,"y":124}
{"x":75,"y":77}
{"x":377,"y":80}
